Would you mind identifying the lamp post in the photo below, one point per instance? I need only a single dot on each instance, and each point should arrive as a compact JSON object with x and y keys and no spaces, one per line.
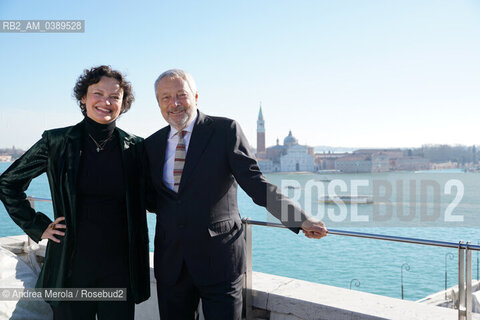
{"x":447,"y":255}
{"x":407,"y":268}
{"x":355,"y":282}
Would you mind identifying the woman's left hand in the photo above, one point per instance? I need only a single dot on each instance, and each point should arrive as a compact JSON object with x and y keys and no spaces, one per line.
{"x":52,"y":230}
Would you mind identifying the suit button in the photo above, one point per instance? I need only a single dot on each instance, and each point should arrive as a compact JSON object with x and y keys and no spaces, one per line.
{"x":181,"y":226}
{"x":179,"y":201}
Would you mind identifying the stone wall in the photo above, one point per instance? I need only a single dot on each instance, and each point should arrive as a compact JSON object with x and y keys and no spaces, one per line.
{"x":281,"y":298}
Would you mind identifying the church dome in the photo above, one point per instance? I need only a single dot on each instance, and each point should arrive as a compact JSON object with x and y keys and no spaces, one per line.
{"x":290,"y":140}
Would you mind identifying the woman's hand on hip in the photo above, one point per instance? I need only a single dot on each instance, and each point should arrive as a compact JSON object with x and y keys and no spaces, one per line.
{"x":53,"y":229}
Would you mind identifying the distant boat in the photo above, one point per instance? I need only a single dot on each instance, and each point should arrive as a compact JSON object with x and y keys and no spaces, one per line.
{"x":360,"y":199}
{"x":292,"y":187}
{"x":449,"y":170}
{"x":324,"y":179}
{"x":328,"y":171}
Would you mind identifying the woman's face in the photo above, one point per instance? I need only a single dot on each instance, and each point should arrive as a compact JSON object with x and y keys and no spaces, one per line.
{"x":103,"y":100}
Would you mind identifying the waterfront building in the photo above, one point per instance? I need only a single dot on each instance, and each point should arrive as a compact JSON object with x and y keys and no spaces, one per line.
{"x":411,"y":163}
{"x":444,"y":165}
{"x":297,"y":158}
{"x":5,"y":158}
{"x":391,"y":153}
{"x":326,"y":161}
{"x":354,"y":163}
{"x":380,"y":160}
{"x":289,"y":157}
{"x":267,"y":165}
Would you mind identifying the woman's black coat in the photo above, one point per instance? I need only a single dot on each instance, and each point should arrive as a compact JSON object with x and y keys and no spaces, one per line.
{"x":58,"y":154}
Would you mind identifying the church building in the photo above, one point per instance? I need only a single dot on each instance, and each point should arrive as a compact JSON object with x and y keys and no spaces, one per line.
{"x":289,"y":157}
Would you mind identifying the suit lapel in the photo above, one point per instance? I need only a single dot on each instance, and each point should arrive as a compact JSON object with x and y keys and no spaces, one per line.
{"x":162,"y":146}
{"x":158,"y":156}
{"x":202,"y":131}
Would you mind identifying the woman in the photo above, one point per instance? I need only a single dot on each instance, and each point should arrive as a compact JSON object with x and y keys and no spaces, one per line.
{"x":99,"y":238}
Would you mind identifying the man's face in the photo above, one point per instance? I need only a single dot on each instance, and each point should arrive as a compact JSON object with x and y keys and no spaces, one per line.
{"x":177,"y":103}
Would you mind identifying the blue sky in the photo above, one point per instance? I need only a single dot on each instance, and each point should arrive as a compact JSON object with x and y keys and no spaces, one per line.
{"x":358,"y":73}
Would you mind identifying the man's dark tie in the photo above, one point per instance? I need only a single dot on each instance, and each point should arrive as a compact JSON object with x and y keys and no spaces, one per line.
{"x":179,"y":162}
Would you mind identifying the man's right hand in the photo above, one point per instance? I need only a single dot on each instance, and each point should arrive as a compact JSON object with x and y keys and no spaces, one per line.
{"x":314,"y":229}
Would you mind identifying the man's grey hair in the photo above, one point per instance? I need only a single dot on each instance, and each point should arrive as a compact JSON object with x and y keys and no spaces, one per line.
{"x":177,"y":73}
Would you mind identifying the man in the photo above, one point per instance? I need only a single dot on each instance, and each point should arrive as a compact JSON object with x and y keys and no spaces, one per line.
{"x":195,"y":165}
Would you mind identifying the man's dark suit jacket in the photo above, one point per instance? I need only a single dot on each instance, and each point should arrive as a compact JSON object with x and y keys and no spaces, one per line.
{"x":200,"y":225}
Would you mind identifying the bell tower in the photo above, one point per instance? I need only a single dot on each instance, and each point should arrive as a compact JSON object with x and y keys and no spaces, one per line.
{"x":260,"y":133}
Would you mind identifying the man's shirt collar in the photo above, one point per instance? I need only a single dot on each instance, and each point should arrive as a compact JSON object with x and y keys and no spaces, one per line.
{"x":188,"y":128}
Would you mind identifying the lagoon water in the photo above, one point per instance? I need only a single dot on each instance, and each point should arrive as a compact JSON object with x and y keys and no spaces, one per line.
{"x":336,"y":260}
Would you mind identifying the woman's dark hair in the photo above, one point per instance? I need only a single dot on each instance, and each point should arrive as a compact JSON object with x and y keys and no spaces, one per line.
{"x":93,"y":76}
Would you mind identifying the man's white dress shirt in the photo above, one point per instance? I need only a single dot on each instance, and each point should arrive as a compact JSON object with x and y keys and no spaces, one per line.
{"x":170,"y":152}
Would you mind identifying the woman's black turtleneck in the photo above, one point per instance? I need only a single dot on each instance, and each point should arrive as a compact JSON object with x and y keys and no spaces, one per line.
{"x":99,"y":131}
{"x":101,"y":207}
